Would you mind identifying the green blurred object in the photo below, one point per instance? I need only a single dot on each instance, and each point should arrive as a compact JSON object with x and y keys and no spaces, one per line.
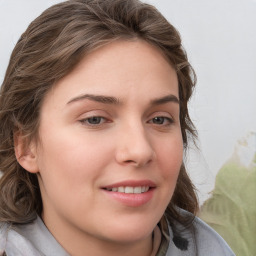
{"x":231,"y":210}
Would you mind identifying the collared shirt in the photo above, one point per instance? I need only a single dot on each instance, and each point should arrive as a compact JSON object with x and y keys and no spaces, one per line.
{"x":36,"y":240}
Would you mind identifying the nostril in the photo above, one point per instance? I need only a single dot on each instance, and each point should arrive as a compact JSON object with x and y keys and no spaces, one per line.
{"x":132,"y":162}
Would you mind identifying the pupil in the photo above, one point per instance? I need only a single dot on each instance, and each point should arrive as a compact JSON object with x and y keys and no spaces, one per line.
{"x":158,"y":120}
{"x":94,"y":120}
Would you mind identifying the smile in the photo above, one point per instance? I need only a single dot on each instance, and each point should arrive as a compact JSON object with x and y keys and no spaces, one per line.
{"x":129,"y":190}
{"x":132,"y":193}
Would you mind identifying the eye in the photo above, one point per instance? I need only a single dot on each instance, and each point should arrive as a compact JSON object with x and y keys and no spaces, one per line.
{"x":94,"y":120}
{"x":161,"y":120}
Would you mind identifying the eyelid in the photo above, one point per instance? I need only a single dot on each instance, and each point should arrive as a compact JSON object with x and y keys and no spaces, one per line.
{"x":165,"y":114}
{"x":93,"y":112}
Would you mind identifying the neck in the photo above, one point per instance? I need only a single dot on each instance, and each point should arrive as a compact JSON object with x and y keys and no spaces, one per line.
{"x":80,"y":246}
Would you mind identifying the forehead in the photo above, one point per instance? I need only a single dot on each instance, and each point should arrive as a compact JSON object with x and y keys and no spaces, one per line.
{"x":120,"y":68}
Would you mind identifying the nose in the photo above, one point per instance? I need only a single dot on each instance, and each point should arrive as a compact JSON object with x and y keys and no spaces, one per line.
{"x":134,"y":147}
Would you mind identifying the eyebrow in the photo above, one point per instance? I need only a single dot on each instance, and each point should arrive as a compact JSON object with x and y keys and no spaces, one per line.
{"x":113,"y":100}
{"x":165,"y":99}
{"x":97,"y":98}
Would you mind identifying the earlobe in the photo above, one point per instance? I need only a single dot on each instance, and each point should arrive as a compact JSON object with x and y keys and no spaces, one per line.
{"x":25,"y":153}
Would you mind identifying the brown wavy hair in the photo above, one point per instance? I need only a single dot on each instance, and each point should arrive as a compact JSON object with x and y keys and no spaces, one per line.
{"x":49,"y":49}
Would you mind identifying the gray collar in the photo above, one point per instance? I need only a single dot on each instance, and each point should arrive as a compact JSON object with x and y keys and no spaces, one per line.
{"x":41,"y":238}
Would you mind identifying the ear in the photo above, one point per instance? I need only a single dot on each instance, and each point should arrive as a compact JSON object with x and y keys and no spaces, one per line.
{"x":25,"y":153}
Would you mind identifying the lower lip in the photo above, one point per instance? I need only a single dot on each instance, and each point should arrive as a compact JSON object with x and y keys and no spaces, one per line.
{"x":133,"y":200}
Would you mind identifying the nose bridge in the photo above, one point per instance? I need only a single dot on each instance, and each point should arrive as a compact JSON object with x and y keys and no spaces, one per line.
{"x":135,"y":147}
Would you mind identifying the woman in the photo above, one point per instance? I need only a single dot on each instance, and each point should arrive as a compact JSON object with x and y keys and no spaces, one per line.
{"x":94,"y":122}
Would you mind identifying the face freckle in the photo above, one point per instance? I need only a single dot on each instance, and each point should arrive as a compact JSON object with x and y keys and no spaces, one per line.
{"x":110,"y":146}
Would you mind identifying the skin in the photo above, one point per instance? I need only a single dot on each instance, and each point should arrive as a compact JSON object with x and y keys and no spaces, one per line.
{"x":135,"y":136}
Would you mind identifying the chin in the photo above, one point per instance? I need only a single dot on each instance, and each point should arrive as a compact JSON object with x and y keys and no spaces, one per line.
{"x":130,"y":232}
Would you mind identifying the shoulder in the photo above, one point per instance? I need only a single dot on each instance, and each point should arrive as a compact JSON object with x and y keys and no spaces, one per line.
{"x":199,"y":239}
{"x":3,"y":237}
{"x":209,"y":241}
{"x":12,"y":243}
{"x":31,"y":239}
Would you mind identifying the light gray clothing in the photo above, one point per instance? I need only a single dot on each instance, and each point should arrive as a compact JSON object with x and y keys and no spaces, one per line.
{"x":30,"y":240}
{"x":204,"y":241}
{"x":35,"y":240}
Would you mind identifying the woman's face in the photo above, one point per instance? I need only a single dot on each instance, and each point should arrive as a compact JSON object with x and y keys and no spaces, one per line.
{"x":110,"y":146}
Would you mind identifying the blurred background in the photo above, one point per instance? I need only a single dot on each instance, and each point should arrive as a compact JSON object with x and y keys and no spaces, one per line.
{"x":220,"y":39}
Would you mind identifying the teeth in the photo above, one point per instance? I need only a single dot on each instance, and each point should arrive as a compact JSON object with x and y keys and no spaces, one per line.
{"x":120,"y":189}
{"x":137,"y":190}
{"x":130,"y":190}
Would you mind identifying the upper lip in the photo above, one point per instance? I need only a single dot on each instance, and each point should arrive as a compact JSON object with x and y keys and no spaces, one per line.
{"x":131,"y":183}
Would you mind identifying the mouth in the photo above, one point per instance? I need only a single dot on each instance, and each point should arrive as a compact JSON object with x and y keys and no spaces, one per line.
{"x":131,"y":193}
{"x":131,"y":186}
{"x":129,"y":190}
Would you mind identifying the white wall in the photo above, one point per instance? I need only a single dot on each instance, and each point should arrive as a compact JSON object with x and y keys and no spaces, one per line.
{"x":220,"y":39}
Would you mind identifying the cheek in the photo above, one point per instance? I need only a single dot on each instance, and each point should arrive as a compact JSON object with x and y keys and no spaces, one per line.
{"x":72,"y":157}
{"x":170,"y":157}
